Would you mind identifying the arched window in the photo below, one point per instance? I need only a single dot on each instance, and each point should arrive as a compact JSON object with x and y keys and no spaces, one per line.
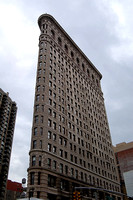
{"x":77,"y":61}
{"x":88,"y":72}
{"x":52,"y":34}
{"x":45,"y":26}
{"x":93,"y":78}
{"x":40,"y":160}
{"x":66,"y":48}
{"x":59,"y":41}
{"x":33,"y":160}
{"x":97,"y":82}
{"x":72,"y":54}
{"x":83,"y":67}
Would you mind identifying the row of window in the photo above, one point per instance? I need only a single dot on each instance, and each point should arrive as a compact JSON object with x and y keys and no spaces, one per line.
{"x":61,"y":129}
{"x":63,"y":119}
{"x":66,"y":50}
{"x":51,"y":75}
{"x":64,"y":154}
{"x":50,"y":93}
{"x":77,"y":106}
{"x":83,"y":68}
{"x":75,"y":174}
{"x":73,"y":77}
{"x":75,"y":102}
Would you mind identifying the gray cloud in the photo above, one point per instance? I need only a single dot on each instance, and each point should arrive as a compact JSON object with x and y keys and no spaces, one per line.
{"x":102,"y":29}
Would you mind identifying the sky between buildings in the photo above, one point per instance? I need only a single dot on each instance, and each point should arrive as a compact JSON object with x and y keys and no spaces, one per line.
{"x":104,"y":32}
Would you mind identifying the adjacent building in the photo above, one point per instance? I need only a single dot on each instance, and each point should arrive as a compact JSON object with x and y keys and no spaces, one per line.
{"x":8,"y":111}
{"x":14,"y":190}
{"x":71,"y":143}
{"x":124,"y":157}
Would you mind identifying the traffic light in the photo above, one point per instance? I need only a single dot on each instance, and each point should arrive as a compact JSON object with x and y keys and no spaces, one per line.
{"x":75,"y":195}
{"x":78,"y":196}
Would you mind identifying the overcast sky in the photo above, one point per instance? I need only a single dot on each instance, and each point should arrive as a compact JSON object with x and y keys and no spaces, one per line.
{"x":103,"y":29}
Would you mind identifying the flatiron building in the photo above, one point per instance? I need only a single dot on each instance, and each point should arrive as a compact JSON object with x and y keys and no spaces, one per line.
{"x":71,"y":143}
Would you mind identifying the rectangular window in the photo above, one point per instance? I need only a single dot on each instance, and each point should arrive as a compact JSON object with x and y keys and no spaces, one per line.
{"x":34,"y":144}
{"x":60,"y":128}
{"x":40,"y":160}
{"x":50,"y":92}
{"x":36,"y":108}
{"x":42,"y":97}
{"x":76,"y":174}
{"x":61,"y":152}
{"x":35,"y":131}
{"x":50,"y":111}
{"x":50,"y":84}
{"x":71,"y":158}
{"x":54,"y":95}
{"x":50,"y":76}
{"x":54,"y":164}
{"x":54,"y":78}
{"x":32,"y":175}
{"x":36,"y":119}
{"x":60,"y":141}
{"x":65,"y":143}
{"x":54,"y":87}
{"x":50,"y":67}
{"x":39,"y":178}
{"x":39,"y":71}
{"x":63,"y":120}
{"x":75,"y":159}
{"x":49,"y":134}
{"x":49,"y":122}
{"x":41,"y":131}
{"x":49,"y":147}
{"x":74,"y":148}
{"x":38,"y":88}
{"x":81,"y":175}
{"x":72,"y":172}
{"x":54,"y":137}
{"x":63,"y":110}
{"x":63,"y":130}
{"x":54,"y":149}
{"x":33,"y":160}
{"x":39,"y":79}
{"x":49,"y":162}
{"x":54,"y":114}
{"x":41,"y":119}
{"x":66,"y":169}
{"x":51,"y":181}
{"x":61,"y":168}
{"x":54,"y":125}
{"x":54,"y":104}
